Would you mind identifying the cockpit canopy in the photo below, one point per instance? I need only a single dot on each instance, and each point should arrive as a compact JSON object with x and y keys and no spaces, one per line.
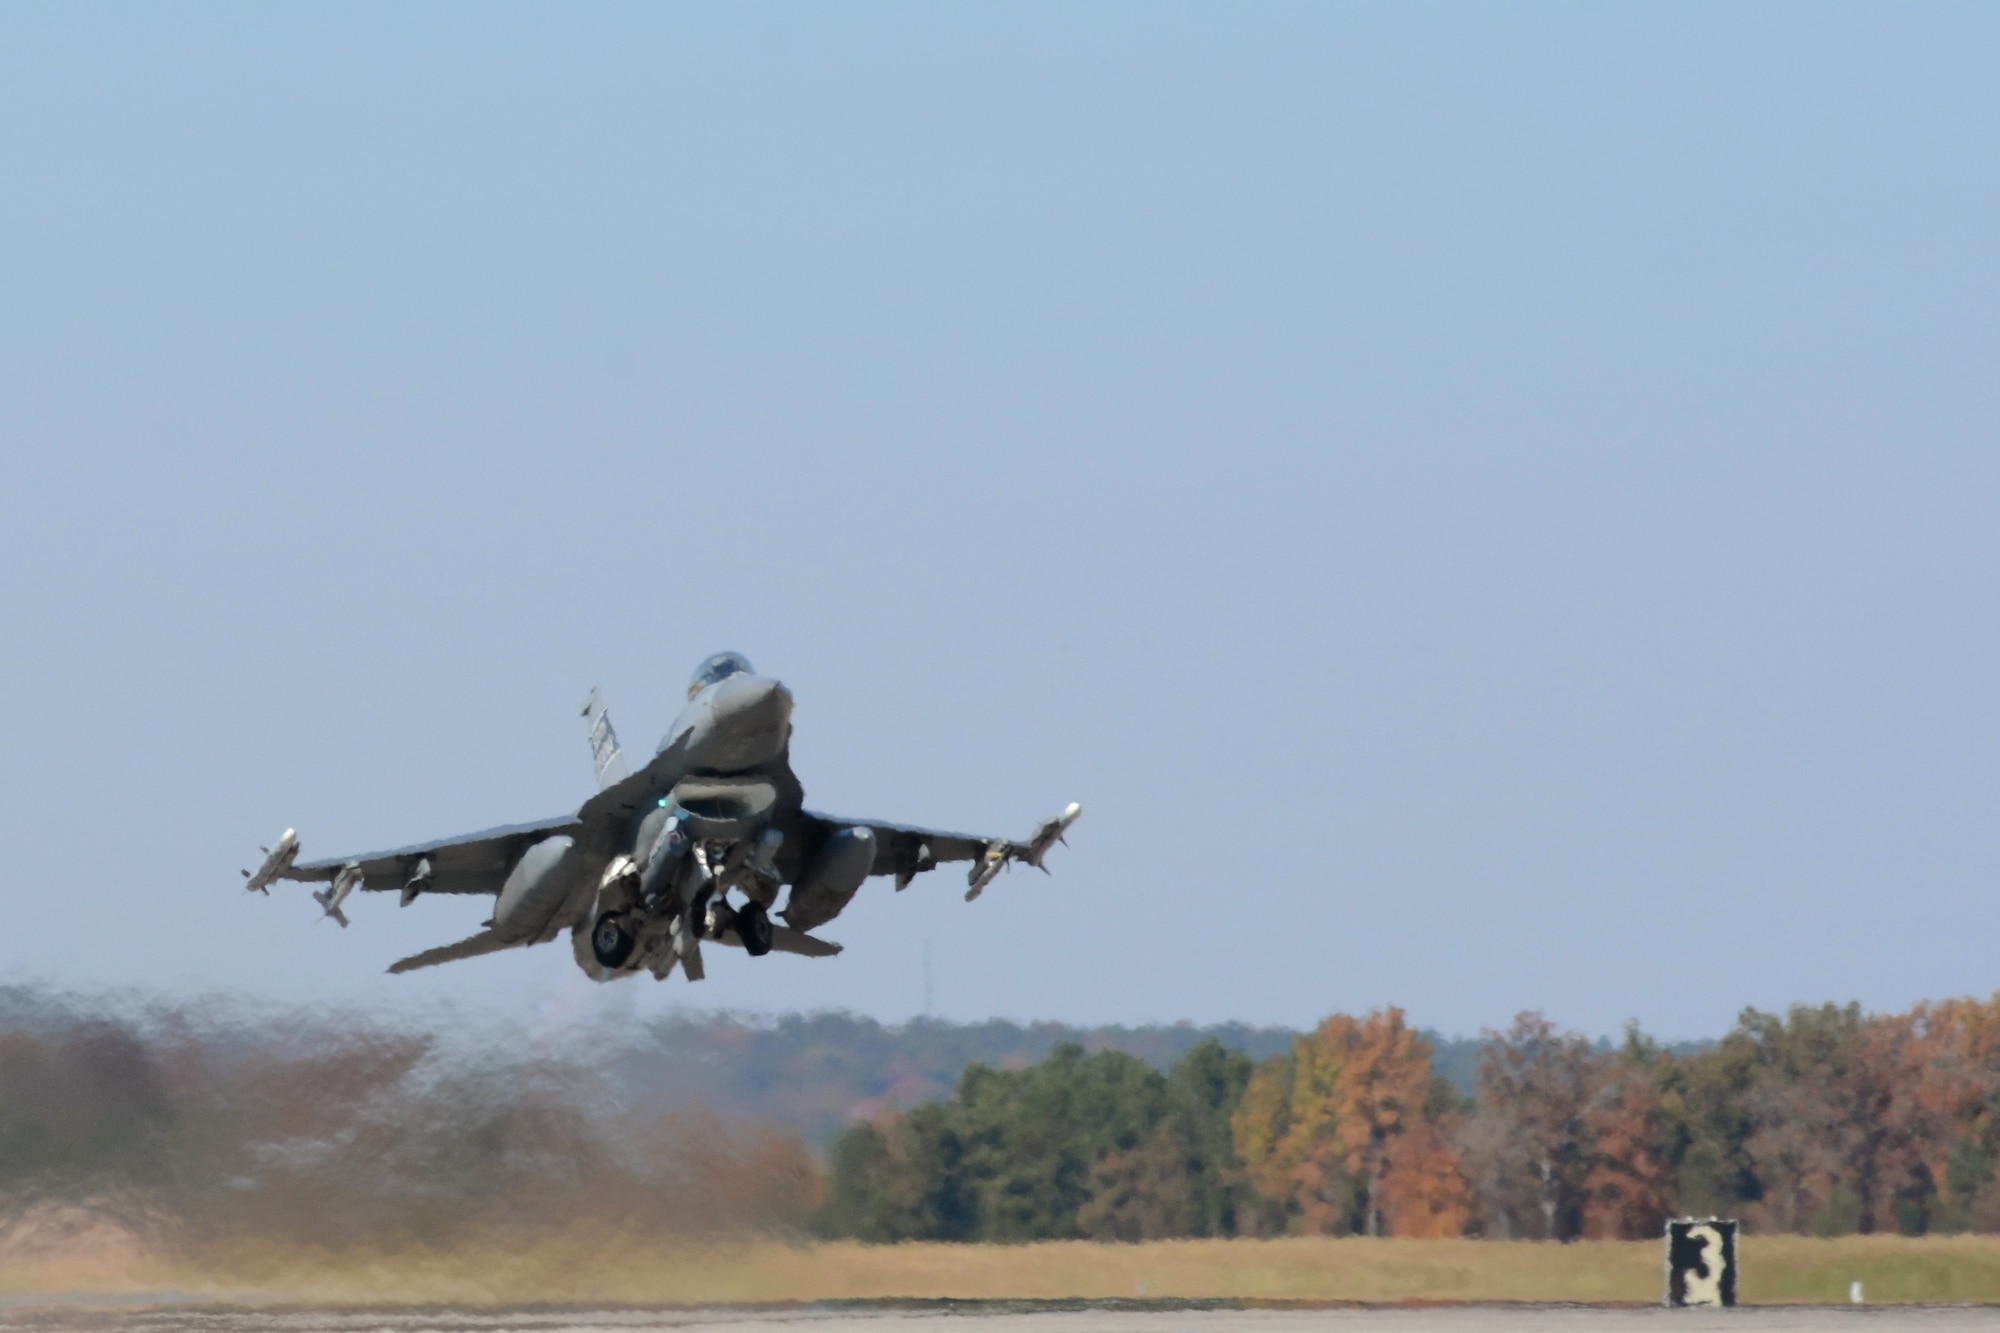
{"x":719,"y":667}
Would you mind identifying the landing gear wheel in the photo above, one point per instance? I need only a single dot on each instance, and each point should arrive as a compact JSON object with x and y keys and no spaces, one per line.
{"x":611,"y":942}
{"x":753,"y":927}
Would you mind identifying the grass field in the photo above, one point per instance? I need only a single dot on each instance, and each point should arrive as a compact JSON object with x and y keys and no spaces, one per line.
{"x":573,"y":1270}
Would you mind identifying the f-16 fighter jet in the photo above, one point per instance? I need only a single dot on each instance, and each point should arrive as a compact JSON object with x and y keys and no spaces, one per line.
{"x":696,"y":846}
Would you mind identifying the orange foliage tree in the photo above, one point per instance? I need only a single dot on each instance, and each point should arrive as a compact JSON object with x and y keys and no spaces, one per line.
{"x":1345,"y":1133}
{"x":1629,"y":1191}
{"x":1951,"y":1108}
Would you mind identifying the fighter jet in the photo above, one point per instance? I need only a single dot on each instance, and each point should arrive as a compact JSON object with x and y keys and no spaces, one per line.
{"x":696,"y":846}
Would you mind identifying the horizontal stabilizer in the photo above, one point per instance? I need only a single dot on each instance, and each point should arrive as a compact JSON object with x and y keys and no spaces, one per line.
{"x":482,"y":943}
{"x":786,"y":940}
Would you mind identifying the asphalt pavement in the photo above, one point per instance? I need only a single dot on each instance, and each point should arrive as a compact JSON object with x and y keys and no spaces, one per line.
{"x":82,"y":1313}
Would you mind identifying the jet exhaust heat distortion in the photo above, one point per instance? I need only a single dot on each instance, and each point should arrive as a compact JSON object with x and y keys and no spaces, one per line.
{"x":697,"y":846}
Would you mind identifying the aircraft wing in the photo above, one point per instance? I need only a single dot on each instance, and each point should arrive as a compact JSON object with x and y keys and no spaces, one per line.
{"x":905,"y":851}
{"x":470,"y":863}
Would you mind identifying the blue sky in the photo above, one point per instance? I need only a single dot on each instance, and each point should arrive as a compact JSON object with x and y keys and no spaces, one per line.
{"x":1488,"y":508}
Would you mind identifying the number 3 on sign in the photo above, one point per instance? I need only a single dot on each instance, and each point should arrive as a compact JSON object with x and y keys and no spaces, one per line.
{"x":1705,"y":1287}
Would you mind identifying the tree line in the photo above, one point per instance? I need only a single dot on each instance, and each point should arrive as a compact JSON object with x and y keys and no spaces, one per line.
{"x":201,"y":1123}
{"x":820,"y":1072}
{"x":1821,"y":1121}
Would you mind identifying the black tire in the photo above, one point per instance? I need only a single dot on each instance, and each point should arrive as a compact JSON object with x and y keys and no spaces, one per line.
{"x":753,"y":927}
{"x":611,"y":942}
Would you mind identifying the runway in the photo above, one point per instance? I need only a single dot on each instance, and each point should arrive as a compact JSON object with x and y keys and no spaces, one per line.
{"x":997,"y":1318}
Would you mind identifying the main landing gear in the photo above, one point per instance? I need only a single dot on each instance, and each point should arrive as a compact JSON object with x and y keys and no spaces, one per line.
{"x":613,"y":938}
{"x":611,"y":941}
{"x":753,"y":928}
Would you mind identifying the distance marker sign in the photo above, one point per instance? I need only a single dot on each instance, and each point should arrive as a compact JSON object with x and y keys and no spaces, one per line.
{"x":1701,"y":1262}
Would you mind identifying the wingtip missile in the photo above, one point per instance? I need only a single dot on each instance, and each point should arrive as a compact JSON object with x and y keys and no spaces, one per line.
{"x":277,"y":860}
{"x":1049,"y":833}
{"x":999,"y":855}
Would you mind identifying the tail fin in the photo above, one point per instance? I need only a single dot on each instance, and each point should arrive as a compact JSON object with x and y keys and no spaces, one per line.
{"x":604,"y":752}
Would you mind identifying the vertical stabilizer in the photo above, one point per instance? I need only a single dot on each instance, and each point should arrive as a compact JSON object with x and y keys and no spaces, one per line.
{"x":605,"y":755}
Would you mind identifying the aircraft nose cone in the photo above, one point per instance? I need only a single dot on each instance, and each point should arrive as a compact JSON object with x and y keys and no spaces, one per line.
{"x":753,"y":703}
{"x":749,"y":720}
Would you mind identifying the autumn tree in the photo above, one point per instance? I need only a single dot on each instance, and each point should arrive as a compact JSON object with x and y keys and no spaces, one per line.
{"x":1529,"y":1151}
{"x":1283,"y":1133}
{"x":1830,"y":1139}
{"x":1953,"y":1098}
{"x":1628,"y":1190}
{"x":1345,"y":1132}
{"x":1273,"y":1155}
